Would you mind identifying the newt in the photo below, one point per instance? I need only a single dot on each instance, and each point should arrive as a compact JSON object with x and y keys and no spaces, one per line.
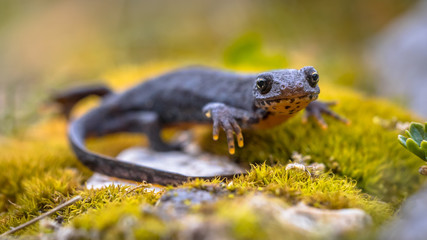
{"x":194,"y":95}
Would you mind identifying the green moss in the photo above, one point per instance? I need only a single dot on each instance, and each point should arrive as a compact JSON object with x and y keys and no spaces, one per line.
{"x":38,"y":198}
{"x":121,"y":220}
{"x":27,"y":165}
{"x":98,"y":198}
{"x":327,"y":191}
{"x":117,"y":200}
{"x":38,"y":194}
{"x":233,"y":215}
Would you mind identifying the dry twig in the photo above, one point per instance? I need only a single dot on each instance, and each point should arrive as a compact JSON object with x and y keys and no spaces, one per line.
{"x":73,"y":200}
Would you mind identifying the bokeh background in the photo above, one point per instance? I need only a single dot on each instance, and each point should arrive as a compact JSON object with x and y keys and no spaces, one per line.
{"x":376,"y":46}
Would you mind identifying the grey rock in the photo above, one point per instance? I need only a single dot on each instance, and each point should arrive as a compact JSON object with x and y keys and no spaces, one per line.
{"x":202,"y":164}
{"x":175,"y":207}
{"x":191,"y":162}
{"x":398,"y":56}
{"x":196,"y":228}
{"x":176,"y":203}
{"x":309,"y":220}
{"x":411,"y":222}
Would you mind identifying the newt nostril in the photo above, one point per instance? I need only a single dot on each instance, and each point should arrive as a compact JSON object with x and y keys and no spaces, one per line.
{"x":282,"y":87}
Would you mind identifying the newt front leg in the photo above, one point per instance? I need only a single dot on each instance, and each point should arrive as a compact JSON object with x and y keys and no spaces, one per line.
{"x":227,"y":118}
{"x":317,"y":108}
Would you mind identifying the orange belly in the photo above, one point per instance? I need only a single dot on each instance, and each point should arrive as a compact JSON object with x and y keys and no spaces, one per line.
{"x":271,"y":121}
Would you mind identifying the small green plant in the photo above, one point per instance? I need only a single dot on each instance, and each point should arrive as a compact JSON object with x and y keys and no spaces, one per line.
{"x":416,"y":140}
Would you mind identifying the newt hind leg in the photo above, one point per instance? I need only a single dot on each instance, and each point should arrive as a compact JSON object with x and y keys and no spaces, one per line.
{"x":69,"y":98}
{"x":137,"y":122}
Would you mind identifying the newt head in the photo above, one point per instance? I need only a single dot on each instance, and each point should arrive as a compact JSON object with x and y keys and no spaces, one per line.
{"x":285,"y":92}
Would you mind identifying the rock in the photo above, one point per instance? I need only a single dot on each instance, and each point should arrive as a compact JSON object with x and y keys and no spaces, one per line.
{"x":313,"y":170}
{"x":310,"y":220}
{"x":176,"y":203}
{"x":398,"y":55}
{"x":411,"y":222}
{"x":175,"y":206}
{"x":98,"y":180}
{"x":195,"y":228}
{"x":423,"y":170}
{"x":69,"y":233}
{"x":191,"y":163}
{"x":202,"y":164}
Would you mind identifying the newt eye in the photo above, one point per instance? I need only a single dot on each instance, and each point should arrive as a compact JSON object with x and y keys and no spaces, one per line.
{"x":313,"y":79}
{"x":263,"y":85}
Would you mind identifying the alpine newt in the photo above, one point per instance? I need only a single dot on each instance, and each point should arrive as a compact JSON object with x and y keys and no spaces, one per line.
{"x":193,"y":95}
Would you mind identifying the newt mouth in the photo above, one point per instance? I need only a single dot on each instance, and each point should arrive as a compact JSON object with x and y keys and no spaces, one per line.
{"x":310,"y":97}
{"x":286,"y":106}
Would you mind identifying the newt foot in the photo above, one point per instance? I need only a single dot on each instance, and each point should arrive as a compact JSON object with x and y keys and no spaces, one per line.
{"x":317,"y":108}
{"x":223,"y":117}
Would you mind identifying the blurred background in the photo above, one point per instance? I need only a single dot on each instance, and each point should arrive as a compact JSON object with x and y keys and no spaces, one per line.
{"x":376,"y":46}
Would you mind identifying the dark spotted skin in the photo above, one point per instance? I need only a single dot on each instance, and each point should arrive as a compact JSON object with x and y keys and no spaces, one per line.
{"x":188,"y":96}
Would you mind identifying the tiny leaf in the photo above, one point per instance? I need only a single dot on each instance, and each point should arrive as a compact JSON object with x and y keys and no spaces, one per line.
{"x":414,"y":148}
{"x":402,"y":140}
{"x":417,"y":132}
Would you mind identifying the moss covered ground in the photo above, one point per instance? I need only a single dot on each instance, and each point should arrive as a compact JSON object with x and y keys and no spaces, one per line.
{"x":366,"y":168}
